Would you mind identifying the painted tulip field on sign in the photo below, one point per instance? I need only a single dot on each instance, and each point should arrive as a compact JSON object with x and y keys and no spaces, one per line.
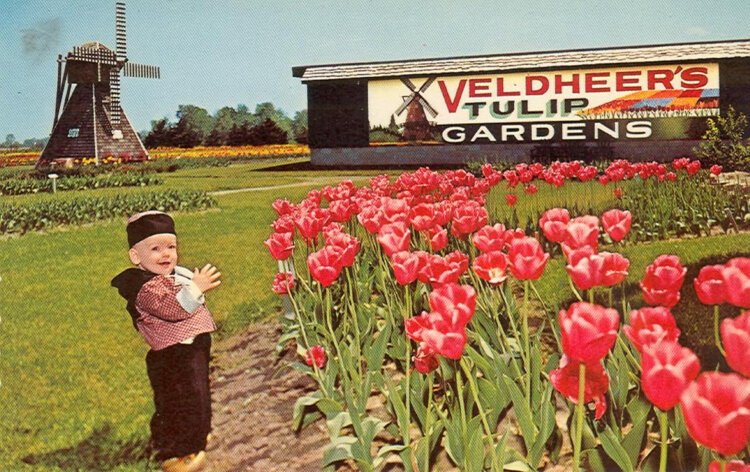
{"x":419,"y":316}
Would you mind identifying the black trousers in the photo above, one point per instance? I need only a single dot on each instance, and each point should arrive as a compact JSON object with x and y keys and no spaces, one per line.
{"x":182,"y":397}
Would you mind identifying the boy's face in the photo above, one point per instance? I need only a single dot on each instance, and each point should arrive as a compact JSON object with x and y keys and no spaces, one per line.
{"x":157,"y":253}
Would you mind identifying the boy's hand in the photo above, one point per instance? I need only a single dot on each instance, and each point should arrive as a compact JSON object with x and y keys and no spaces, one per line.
{"x":206,"y":278}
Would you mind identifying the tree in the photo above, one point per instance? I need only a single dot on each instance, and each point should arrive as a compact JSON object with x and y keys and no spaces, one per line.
{"x":160,"y":134}
{"x":266,"y":111}
{"x":267,"y":132}
{"x":192,"y":122}
{"x":299,"y":127}
{"x":724,"y":141}
{"x":10,"y":141}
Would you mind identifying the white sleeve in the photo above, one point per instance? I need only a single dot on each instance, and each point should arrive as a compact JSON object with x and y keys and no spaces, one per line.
{"x":190,"y":296}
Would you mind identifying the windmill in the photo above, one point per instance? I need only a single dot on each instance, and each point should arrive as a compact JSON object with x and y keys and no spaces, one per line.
{"x":416,"y":125}
{"x":92,"y":123}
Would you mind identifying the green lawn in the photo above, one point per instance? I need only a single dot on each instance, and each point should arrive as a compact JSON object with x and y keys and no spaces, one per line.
{"x":72,"y":366}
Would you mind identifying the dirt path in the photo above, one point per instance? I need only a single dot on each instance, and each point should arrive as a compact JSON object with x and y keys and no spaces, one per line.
{"x":253,"y":396}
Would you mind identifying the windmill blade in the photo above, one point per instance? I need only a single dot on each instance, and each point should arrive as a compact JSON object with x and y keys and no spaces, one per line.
{"x":427,"y":84}
{"x":409,"y":84}
{"x":407,"y":101}
{"x":132,"y":69}
{"x":120,"y":38}
{"x":114,"y":98}
{"x":428,"y":107}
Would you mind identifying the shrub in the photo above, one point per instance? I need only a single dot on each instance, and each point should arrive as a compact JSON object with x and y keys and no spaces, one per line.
{"x":43,"y":215}
{"x":724,"y":142}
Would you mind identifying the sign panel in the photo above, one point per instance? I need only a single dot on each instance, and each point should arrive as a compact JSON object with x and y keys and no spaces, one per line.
{"x":650,"y":102}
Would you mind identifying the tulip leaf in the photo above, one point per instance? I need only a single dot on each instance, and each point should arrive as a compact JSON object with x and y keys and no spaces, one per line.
{"x":338,"y":422}
{"x":474,"y":453}
{"x":493,"y":397}
{"x":300,"y":406}
{"x":613,"y":448}
{"x":545,"y":419}
{"x":522,"y":410}
{"x":375,"y":352}
{"x":338,"y":450}
{"x":394,"y":396}
{"x":454,"y":441}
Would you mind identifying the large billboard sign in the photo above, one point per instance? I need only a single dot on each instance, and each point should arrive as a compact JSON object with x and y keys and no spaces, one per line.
{"x":624,"y":103}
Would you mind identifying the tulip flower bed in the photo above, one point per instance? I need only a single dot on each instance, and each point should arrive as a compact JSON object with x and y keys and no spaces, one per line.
{"x":421,"y":322}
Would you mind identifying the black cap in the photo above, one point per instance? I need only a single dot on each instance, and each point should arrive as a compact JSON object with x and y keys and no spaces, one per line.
{"x":149,"y":224}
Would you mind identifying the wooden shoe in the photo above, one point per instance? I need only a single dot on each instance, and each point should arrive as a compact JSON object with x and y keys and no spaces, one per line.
{"x":189,"y":463}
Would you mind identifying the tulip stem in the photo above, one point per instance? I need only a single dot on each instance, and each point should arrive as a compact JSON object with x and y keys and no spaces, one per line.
{"x":579,"y":417}
{"x":526,"y":344}
{"x":301,"y":323}
{"x":482,"y":415}
{"x":427,"y":425}
{"x":664,"y":428}
{"x":460,"y":395}
{"x":717,"y":337}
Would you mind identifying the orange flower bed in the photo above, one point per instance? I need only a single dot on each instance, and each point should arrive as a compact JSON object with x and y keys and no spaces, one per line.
{"x":27,"y":157}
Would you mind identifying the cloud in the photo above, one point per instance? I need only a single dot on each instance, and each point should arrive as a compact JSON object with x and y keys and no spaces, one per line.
{"x":41,"y":39}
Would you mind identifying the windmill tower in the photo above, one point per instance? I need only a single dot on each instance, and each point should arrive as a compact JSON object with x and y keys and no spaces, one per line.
{"x":92,"y":123}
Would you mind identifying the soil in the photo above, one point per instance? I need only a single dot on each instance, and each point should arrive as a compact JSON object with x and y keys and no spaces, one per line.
{"x":253,"y":394}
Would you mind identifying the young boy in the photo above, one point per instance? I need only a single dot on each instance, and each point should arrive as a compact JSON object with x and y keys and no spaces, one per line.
{"x":166,"y":303}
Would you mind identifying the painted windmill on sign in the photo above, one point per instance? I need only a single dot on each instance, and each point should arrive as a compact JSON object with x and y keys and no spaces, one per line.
{"x":416,"y":125}
{"x":92,"y":123}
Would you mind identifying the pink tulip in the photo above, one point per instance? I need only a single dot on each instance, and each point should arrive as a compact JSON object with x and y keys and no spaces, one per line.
{"x":588,"y":331}
{"x":709,"y":285}
{"x":617,"y":223}
{"x":735,"y":336}
{"x":737,"y":281}
{"x":527,"y":258}
{"x":667,"y":370}
{"x":394,"y":237}
{"x":553,"y":224}
{"x":650,"y":325}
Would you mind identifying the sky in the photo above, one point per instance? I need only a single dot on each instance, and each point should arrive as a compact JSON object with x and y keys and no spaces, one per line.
{"x":227,"y":52}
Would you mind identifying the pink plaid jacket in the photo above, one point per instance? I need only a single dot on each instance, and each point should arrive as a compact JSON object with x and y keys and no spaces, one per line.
{"x":172,"y":310}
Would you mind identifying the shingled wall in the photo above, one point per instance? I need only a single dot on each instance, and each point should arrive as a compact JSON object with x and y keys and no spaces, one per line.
{"x":79,"y":114}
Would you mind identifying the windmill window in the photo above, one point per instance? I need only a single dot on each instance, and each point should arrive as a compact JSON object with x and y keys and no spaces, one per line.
{"x":73,"y":132}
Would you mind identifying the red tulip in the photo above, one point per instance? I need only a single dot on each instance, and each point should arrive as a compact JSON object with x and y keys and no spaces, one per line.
{"x":284,"y":224}
{"x":490,"y":238}
{"x":735,"y":336}
{"x":280,"y":245}
{"x":394,"y":237}
{"x":348,"y":244}
{"x":716,"y":408}
{"x":565,"y":380}
{"x":553,"y":224}
{"x":663,"y":280}
{"x":491,"y":267}
{"x":438,"y":238}
{"x":586,"y":270}
{"x":511,"y":199}
{"x":325,"y":265}
{"x":316,"y":355}
{"x":617,"y":223}
{"x":369,"y":218}
{"x":437,"y":271}
{"x":668,"y":369}
{"x":580,"y":234}
{"x":618,"y":192}
{"x":394,"y":210}
{"x":425,"y":360}
{"x":456,"y":303}
{"x":422,"y":216}
{"x":715,"y":169}
{"x":615,"y":268}
{"x":737,"y":281}
{"x":405,"y":267}
{"x":527,"y":258}
{"x":531,"y":189}
{"x":282,"y":207}
{"x":341,"y":210}
{"x":731,"y":466}
{"x":459,"y":258}
{"x":468,"y":218}
{"x":709,"y":285}
{"x":436,"y":332}
{"x":588,"y":331}
{"x":283,"y":283}
{"x":650,"y":325}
